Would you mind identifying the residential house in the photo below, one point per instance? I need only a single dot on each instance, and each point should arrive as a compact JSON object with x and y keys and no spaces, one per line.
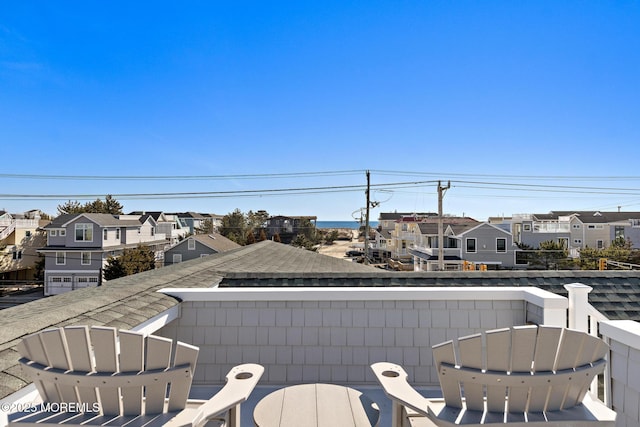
{"x":194,"y":220}
{"x":168,"y":224}
{"x":287,"y":227}
{"x":20,"y":238}
{"x":78,"y":246}
{"x":387,"y":225}
{"x":420,"y":234}
{"x":198,"y":246}
{"x":488,"y":245}
{"x":577,"y":229}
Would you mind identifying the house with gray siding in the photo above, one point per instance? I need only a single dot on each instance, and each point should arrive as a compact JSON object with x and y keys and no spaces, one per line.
{"x":487,"y":244}
{"x":577,"y":229}
{"x":198,"y":246}
{"x":78,"y":246}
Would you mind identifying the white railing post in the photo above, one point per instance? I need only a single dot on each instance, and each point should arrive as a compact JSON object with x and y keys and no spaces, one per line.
{"x":578,"y":306}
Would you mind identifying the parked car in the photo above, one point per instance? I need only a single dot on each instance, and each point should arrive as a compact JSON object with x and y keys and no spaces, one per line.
{"x":354,"y":253}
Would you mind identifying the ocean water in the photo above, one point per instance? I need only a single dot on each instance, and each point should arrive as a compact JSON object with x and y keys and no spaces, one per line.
{"x":353,"y":225}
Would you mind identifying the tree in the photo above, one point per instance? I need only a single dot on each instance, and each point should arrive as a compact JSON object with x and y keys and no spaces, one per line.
{"x":257,"y":220}
{"x":301,"y":241}
{"x":108,"y":206}
{"x":331,"y":236}
{"x":242,"y":228}
{"x":620,"y":250}
{"x":70,"y":207}
{"x":112,"y":206}
{"x":206,"y":227}
{"x":262,"y":236}
{"x":132,"y":261}
{"x":549,"y":254}
{"x":114,"y":268}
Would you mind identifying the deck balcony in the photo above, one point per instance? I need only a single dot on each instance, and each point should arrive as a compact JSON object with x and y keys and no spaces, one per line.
{"x":332,"y":335}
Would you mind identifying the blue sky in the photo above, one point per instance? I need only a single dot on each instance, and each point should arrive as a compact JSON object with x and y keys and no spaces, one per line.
{"x":525,"y":106}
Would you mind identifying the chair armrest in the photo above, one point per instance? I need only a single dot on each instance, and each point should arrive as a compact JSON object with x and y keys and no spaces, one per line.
{"x":393,"y":380}
{"x":241,"y":380}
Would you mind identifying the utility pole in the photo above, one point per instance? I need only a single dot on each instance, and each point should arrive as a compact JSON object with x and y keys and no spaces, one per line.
{"x":441,"y":191}
{"x":366,"y":224}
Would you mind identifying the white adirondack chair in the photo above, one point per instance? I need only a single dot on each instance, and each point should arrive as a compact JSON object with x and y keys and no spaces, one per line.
{"x":520,"y":376}
{"x":100,"y":375}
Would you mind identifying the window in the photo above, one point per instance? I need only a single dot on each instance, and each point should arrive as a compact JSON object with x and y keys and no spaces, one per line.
{"x":575,"y":226}
{"x":84,"y":232}
{"x":471,"y":245}
{"x":85,"y":258}
{"x":105,"y":234}
{"x":17,"y":255}
{"x":599,"y":244}
{"x":61,"y":258}
{"x":177,"y":258}
{"x":27,"y":233}
{"x":63,"y":233}
{"x":153,"y":231}
{"x":526,"y":227}
{"x":501,"y":245}
{"x":191,"y":245}
{"x":117,"y":234}
{"x":577,"y":241}
{"x":619,"y":232}
{"x":53,"y":233}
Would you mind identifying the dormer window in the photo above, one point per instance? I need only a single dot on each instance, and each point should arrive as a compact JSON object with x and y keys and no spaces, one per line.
{"x":84,"y":232}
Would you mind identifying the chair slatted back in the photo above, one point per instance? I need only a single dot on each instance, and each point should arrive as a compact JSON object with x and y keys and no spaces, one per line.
{"x":128,"y":373}
{"x":519,"y":369}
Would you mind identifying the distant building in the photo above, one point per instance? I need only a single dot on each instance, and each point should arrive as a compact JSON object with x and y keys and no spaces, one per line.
{"x":287,"y":227}
{"x":20,"y":239}
{"x":198,"y":246}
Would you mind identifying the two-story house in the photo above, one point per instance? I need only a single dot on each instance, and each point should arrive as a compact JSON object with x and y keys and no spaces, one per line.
{"x":170,"y":225}
{"x":577,"y":229}
{"x":384,"y":232}
{"x":20,"y":238}
{"x":78,"y":246}
{"x":287,"y":227}
{"x":198,"y":246}
{"x":467,"y":242}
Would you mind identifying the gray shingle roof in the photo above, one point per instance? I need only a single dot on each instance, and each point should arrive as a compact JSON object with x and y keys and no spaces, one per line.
{"x":104,"y":220}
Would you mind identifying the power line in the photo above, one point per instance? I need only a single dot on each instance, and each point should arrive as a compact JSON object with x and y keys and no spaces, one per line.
{"x":213,"y":194}
{"x":178,"y":177}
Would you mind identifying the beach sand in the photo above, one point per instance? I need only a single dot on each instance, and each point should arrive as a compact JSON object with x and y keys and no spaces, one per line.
{"x":340,"y":247}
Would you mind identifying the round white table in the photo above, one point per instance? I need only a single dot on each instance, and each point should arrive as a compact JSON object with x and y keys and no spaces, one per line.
{"x":316,"y":405}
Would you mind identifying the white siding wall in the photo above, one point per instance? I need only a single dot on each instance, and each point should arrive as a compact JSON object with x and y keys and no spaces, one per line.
{"x":624,"y":339}
{"x":300,"y":341}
